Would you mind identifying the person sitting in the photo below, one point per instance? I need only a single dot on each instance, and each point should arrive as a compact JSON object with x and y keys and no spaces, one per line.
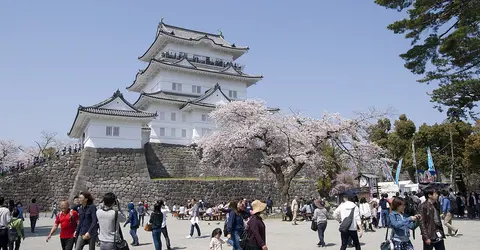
{"x":307,"y":211}
{"x":181,"y":212}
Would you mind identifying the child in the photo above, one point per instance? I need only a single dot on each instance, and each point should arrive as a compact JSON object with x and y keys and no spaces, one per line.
{"x":216,"y":242}
{"x":16,"y":232}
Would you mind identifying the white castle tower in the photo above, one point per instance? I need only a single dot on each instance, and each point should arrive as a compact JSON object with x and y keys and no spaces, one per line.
{"x":188,"y":74}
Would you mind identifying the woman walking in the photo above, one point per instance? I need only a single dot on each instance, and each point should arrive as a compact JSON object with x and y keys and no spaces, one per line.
{"x":366,"y":214}
{"x":320,"y":216}
{"x":401,"y":225}
{"x":156,"y":220}
{"x":256,"y":228}
{"x":235,"y":224}
{"x":87,"y":228}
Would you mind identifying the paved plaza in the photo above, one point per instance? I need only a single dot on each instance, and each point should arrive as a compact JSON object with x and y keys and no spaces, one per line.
{"x":280,"y":235}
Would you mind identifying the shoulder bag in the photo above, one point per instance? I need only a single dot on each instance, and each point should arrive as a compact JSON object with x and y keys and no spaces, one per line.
{"x":120,"y":244}
{"x":388,"y":243}
{"x":347,"y":222}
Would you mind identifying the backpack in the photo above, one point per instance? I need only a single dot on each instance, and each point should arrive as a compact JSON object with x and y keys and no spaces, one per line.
{"x":383,"y":204}
{"x":13,"y":233}
{"x":411,"y":207}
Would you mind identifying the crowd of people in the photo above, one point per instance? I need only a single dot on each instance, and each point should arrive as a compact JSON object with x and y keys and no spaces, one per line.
{"x":429,"y":210}
{"x":35,"y":161}
{"x":85,"y":224}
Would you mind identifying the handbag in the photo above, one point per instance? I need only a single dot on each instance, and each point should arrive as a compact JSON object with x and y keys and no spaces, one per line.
{"x":347,"y":222}
{"x":388,"y":243}
{"x":148,"y":227}
{"x":314,"y":226}
{"x":120,"y":244}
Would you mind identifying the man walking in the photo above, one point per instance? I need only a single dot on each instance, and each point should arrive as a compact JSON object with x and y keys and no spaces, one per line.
{"x":430,"y":223}
{"x":67,"y":219}
{"x":34,"y":211}
{"x":447,"y":213}
{"x":106,"y":222}
{"x":5,"y":218}
{"x":344,"y":211}
{"x":195,"y":219}
{"x":295,"y":210}
{"x":385,"y":210}
{"x":165,"y":211}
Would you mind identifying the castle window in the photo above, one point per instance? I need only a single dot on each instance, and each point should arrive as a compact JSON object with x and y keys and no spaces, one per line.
{"x":116,"y":131}
{"x":112,"y":131}
{"x":204,"y":117}
{"x":176,"y":86}
{"x":184,"y":133}
{"x":184,"y":117}
{"x":173,"y":132}
{"x":196,"y":89}
{"x":162,"y":131}
{"x":232,"y":94}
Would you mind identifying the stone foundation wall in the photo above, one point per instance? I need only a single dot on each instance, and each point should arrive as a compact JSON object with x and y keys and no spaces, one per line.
{"x":125,"y":172}
{"x":49,"y":182}
{"x":167,"y":160}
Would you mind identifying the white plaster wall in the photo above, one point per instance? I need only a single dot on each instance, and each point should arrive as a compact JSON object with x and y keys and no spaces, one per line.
{"x":193,"y":124}
{"x":130,"y":135}
{"x":163,"y":81}
{"x":117,"y":104}
{"x":203,"y":49}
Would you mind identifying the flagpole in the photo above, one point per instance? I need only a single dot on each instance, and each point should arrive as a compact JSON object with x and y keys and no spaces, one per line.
{"x":415,"y":161}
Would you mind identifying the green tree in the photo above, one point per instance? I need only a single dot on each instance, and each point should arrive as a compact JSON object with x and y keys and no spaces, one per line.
{"x":445,"y":37}
{"x":397,"y":141}
{"x":437,"y":137}
{"x":471,"y":161}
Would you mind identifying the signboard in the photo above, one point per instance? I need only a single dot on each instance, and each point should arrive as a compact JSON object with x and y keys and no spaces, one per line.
{"x":426,"y":176}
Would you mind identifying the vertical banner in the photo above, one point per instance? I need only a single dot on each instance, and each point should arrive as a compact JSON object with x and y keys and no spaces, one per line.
{"x":415,"y":161}
{"x":387,"y":173}
{"x":431,"y":167}
{"x":399,"y":168}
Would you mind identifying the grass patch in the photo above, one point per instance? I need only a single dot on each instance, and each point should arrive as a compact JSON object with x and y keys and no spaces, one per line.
{"x":212,"y":178}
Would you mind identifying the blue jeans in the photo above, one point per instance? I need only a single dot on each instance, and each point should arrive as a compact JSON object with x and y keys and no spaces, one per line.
{"x":157,"y":240}
{"x":385,"y":213}
{"x":133,"y":233}
{"x":321,"y":233}
{"x":235,"y":240}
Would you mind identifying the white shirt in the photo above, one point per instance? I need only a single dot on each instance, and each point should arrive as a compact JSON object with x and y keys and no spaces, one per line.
{"x":182,"y":210}
{"x":365,"y":210}
{"x":422,"y":199}
{"x":5,"y":217}
{"x":343,"y":211}
{"x":165,"y":212}
{"x":216,"y":244}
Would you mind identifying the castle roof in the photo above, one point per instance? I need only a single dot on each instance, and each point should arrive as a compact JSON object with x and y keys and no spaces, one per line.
{"x":114,"y":106}
{"x":180,"y":98}
{"x":170,"y":33}
{"x":183,"y":65}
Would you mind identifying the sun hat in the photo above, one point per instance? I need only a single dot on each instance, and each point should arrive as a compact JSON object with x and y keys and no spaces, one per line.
{"x":258,"y":206}
{"x":319,"y":203}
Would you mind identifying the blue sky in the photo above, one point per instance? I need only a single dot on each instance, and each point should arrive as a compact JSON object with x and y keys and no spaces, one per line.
{"x":336,"y":56}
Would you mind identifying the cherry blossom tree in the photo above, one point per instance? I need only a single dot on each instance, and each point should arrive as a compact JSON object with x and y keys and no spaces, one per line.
{"x":286,"y":144}
{"x":9,"y":152}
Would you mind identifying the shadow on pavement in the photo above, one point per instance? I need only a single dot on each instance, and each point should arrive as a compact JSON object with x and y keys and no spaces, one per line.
{"x":39,"y":231}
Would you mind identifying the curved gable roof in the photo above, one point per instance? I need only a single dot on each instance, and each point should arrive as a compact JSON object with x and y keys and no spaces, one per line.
{"x":188,"y":35}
